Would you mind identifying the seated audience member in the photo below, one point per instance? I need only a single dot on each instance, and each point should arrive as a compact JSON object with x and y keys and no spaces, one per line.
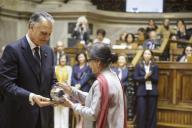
{"x":101,"y":37}
{"x":153,"y":42}
{"x":81,"y":73}
{"x":151,"y":26}
{"x":121,"y":70}
{"x":58,"y":51}
{"x":130,"y":40}
{"x":63,"y":74}
{"x":165,"y":30}
{"x":182,"y":33}
{"x":141,"y":36}
{"x":186,"y":56}
{"x":81,"y":32}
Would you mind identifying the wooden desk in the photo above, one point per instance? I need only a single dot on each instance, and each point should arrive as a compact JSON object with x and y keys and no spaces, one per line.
{"x":175,"y":95}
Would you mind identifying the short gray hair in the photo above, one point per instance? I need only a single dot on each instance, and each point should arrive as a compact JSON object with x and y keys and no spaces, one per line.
{"x":39,"y":16}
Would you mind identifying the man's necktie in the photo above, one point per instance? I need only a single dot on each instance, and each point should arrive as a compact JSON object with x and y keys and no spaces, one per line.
{"x":38,"y":61}
{"x":37,"y":56}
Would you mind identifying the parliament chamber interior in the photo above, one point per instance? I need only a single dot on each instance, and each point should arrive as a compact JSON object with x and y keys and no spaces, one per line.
{"x":128,"y":27}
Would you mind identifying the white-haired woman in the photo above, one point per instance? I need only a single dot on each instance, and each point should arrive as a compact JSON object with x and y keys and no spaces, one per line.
{"x":81,"y":31}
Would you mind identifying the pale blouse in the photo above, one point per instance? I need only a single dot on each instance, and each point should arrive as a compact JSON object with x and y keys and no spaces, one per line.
{"x":92,"y":100}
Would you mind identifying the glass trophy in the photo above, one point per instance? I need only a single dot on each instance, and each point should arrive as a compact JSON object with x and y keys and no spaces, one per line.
{"x":57,"y":94}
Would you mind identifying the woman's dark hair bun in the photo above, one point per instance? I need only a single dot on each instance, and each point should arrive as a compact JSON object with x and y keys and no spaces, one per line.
{"x":114,"y":57}
{"x":103,"y":53}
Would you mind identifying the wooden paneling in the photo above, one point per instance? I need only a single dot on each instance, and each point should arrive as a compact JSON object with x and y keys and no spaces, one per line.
{"x":184,"y":79}
{"x":174,"y":119}
{"x":165,"y":86}
{"x":175,"y":95}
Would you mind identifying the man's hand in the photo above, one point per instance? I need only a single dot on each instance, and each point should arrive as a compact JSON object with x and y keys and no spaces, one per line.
{"x":41,"y":101}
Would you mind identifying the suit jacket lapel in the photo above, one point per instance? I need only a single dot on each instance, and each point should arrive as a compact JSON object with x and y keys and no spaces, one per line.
{"x":27,"y":53}
{"x":43,"y":62}
{"x":142,"y":67}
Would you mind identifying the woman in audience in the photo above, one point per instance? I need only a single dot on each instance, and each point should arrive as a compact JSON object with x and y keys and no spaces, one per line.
{"x":81,"y":32}
{"x":63,"y":74}
{"x":101,"y":37}
{"x":182,"y":33}
{"x":121,"y":70}
{"x":151,"y":26}
{"x":146,"y":76}
{"x":104,"y":104}
{"x":186,"y":56}
{"x":80,"y":79}
{"x":130,"y":40}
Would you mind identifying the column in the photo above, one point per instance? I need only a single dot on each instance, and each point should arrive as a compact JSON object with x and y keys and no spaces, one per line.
{"x":53,"y":2}
{"x":80,"y":1}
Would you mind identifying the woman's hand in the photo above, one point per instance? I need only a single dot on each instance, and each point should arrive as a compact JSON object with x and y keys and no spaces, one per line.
{"x":147,"y":75}
{"x":64,"y":102}
{"x":67,"y":88}
{"x":67,"y":103}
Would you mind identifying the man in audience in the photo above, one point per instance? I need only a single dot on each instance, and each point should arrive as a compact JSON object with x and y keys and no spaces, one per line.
{"x":59,"y":51}
{"x":153,"y":41}
{"x":26,"y":77}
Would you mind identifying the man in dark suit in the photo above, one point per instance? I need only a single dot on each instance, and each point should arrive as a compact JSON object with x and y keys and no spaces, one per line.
{"x":153,"y":42}
{"x":26,"y":77}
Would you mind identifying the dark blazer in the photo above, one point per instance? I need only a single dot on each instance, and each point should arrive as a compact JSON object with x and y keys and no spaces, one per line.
{"x":148,"y":44}
{"x":77,"y":36}
{"x":183,"y":36}
{"x":82,"y":77}
{"x":19,"y":77}
{"x":139,"y":75}
{"x":124,"y":79}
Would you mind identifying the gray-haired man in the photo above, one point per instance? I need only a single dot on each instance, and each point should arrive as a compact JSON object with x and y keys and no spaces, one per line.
{"x":26,"y":77}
